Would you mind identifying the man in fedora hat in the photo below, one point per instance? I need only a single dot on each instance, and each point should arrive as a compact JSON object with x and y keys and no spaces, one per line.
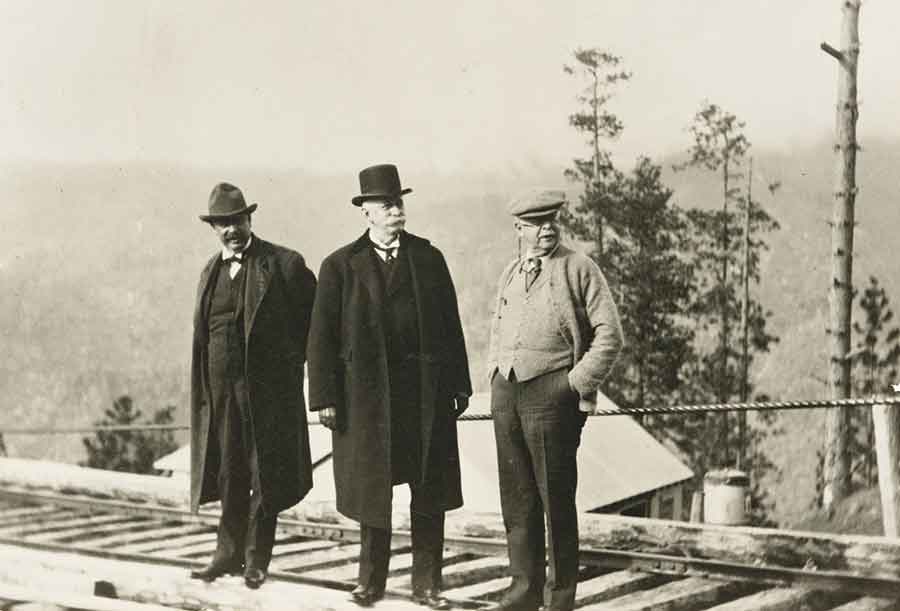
{"x":554,"y":338}
{"x":388,"y":373}
{"x":249,"y":441}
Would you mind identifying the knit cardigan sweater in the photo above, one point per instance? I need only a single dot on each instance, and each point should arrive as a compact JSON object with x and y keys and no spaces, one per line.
{"x":587,"y":315}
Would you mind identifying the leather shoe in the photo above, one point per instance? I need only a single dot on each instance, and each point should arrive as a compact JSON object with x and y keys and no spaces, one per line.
{"x":254,"y":577}
{"x":214,"y":570}
{"x":431,"y":599}
{"x":366,"y":596}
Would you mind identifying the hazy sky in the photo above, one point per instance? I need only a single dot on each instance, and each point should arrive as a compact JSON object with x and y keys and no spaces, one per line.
{"x":333,"y":86}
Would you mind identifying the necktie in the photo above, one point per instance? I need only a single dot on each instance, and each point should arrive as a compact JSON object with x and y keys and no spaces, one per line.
{"x":390,"y":254}
{"x":532,"y":268}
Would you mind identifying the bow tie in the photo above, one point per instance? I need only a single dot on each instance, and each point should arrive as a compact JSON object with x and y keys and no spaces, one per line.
{"x":233,"y":259}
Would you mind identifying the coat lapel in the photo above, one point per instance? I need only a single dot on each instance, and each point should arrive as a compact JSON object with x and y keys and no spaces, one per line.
{"x":364,"y":266}
{"x":416,"y":266}
{"x":200,"y":308}
{"x":259,"y":276}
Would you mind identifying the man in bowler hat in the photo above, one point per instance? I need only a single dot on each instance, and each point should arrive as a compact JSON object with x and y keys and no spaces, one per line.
{"x":554,"y":338}
{"x":249,"y":438}
{"x":388,"y":373}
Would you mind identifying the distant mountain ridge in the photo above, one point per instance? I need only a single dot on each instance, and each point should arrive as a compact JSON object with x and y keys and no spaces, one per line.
{"x":101,"y":262}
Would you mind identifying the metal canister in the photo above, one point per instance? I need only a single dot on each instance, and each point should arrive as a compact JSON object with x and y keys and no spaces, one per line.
{"x":725,"y":497}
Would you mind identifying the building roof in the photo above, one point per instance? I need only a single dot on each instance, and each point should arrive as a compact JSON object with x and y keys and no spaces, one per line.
{"x":617,"y":459}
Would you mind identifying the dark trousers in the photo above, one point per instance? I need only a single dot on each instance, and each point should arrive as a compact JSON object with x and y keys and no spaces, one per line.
{"x":246,"y":535}
{"x":427,"y":550}
{"x":538,"y":428}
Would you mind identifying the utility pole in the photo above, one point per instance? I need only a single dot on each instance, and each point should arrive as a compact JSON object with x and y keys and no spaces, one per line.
{"x":836,"y":469}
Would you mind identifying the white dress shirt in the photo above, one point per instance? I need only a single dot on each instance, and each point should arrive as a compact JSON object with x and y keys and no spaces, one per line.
{"x":227,"y":253}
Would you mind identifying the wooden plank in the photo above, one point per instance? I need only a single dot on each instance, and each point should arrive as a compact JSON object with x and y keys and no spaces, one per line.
{"x":776,"y":599}
{"x":139,"y":533}
{"x":886,"y":424}
{"x":204,"y":546}
{"x":308,"y":545}
{"x":318,"y":559}
{"x":173,"y":544}
{"x":154,"y":538}
{"x":169,"y":586}
{"x":455,"y":574}
{"x":41,"y":597}
{"x":465,"y":573}
{"x":491,"y":589}
{"x":29,"y":512}
{"x":48,"y":519}
{"x":690,"y":593}
{"x":871,"y":557}
{"x":350,"y":571}
{"x":613,"y":585}
{"x":321,"y":563}
{"x":869,"y":603}
{"x":72,"y":479}
{"x":876,"y":557}
{"x":74,"y":528}
{"x":102,"y":531}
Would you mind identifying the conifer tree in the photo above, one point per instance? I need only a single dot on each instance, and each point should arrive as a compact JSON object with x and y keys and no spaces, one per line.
{"x":130,"y":450}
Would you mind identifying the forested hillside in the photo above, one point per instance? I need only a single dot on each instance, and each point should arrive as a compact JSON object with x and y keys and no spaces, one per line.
{"x":100,"y":263}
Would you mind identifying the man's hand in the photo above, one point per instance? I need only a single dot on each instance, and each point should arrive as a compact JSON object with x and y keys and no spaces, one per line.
{"x":328,"y":417}
{"x":462,"y":404}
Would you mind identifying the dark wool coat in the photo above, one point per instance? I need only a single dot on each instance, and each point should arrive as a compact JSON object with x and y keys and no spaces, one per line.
{"x":278,"y":300}
{"x":348,"y":369}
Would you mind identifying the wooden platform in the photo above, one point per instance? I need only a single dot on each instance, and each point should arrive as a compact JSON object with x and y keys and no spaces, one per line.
{"x":59,"y":542}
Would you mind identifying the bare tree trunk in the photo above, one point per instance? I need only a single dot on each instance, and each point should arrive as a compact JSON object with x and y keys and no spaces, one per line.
{"x":723,"y":304}
{"x":745,"y":325}
{"x":836,"y":471}
{"x":595,"y":103}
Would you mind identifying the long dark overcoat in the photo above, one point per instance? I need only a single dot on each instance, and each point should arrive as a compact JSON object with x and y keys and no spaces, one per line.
{"x":348,"y":369}
{"x":278,"y":300}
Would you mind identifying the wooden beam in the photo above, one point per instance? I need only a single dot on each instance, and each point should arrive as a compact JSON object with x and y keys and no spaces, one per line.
{"x":877,"y":557}
{"x":690,"y":593}
{"x":869,"y":603}
{"x":776,"y":599}
{"x":72,"y":479}
{"x":74,"y":575}
{"x":886,"y":421}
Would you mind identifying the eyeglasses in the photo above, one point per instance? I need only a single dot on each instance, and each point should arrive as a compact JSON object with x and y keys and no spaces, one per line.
{"x":553,"y":220}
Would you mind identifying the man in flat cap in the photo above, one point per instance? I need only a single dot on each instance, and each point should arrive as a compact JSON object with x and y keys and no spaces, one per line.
{"x":388,"y":373}
{"x":554,"y":338}
{"x":249,"y":438}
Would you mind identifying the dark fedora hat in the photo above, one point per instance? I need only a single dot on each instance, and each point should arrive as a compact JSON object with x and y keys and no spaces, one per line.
{"x":226,"y":201}
{"x":379,"y":182}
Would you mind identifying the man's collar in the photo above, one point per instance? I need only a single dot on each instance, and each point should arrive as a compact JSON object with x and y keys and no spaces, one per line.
{"x":227,"y":253}
{"x":543,"y":258}
{"x":395,"y":243}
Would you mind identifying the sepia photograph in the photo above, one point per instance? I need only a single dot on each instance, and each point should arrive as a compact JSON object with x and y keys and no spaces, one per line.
{"x":483,"y":305}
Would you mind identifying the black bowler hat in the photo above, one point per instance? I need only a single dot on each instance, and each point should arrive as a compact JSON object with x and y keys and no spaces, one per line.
{"x":379,"y":182}
{"x":226,"y":201}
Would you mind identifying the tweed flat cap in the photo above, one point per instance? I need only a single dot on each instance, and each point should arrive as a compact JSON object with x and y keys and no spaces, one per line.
{"x":536,"y":203}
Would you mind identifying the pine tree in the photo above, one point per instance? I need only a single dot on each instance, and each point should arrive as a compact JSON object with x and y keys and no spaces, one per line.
{"x":874,"y":370}
{"x":720,"y":146}
{"x":650,"y":279}
{"x":131,"y":450}
{"x":601,"y":69}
